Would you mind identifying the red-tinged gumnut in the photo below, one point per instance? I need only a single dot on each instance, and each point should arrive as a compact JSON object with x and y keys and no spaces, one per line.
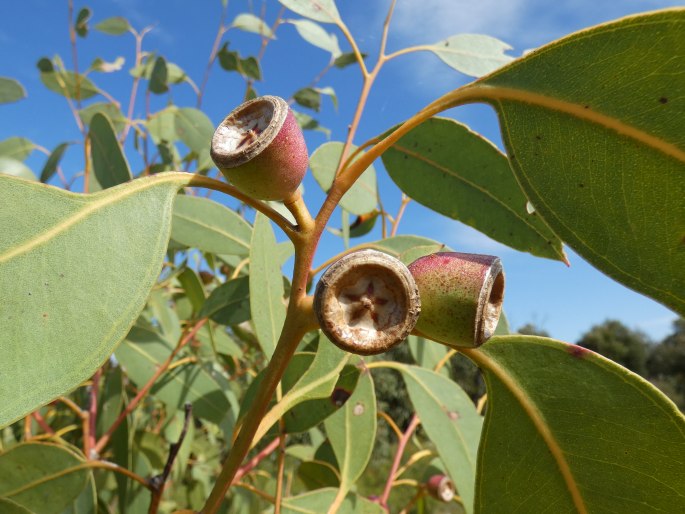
{"x":260,"y":149}
{"x":441,"y":488}
{"x":367,"y":302}
{"x":461,"y":297}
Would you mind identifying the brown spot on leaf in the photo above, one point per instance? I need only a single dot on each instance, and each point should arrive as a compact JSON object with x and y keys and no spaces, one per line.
{"x":339,"y":396}
{"x":663,"y":100}
{"x":577,"y":351}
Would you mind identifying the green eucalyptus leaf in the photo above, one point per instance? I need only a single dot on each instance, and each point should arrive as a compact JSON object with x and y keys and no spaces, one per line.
{"x":319,"y":10}
{"x":158,"y":77}
{"x":598,"y":144}
{"x":316,"y":35}
{"x":427,"y":354}
{"x":66,"y":83}
{"x":308,"y":97}
{"x":52,"y":162}
{"x":72,"y":319}
{"x":405,"y":247}
{"x":305,"y":384}
{"x":15,"y":168}
{"x":229,"y":304}
{"x":194,"y":128}
{"x":162,"y":125}
{"x":450,"y":420}
{"x":316,"y":502}
{"x":108,"y":109}
{"x":446,"y":167}
{"x":192,"y":285}
{"x":306,"y":122}
{"x":593,"y":435}
{"x":266,"y":285}
{"x":110,"y":167}
{"x":317,"y":474}
{"x":82,"y":18}
{"x":362,"y":197}
{"x":209,"y":226}
{"x":142,"y":353}
{"x":346,"y":59}
{"x":473,"y":54}
{"x":35,"y":476}
{"x":18,"y":148}
{"x":251,"y":23}
{"x":11,"y":90}
{"x":8,"y":506}
{"x":352,"y":432}
{"x":114,"y":26}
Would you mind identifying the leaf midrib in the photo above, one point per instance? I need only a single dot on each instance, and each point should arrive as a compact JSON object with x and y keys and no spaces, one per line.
{"x":92,"y":204}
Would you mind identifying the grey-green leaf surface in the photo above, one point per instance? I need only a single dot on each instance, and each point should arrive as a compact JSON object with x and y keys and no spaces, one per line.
{"x":10,"y":90}
{"x":266,"y":285}
{"x":319,"y":10}
{"x":8,"y":506}
{"x":162,"y":125}
{"x":194,"y":128}
{"x":16,"y":147}
{"x":78,"y":269}
{"x":446,"y":167}
{"x":141,"y":354}
{"x":352,"y":432}
{"x":229,"y":304}
{"x":591,"y":435}
{"x":109,"y":109}
{"x":69,"y":84}
{"x":362,"y":196}
{"x":110,"y":167}
{"x":427,"y":354}
{"x":192,"y":285}
{"x":316,"y":382}
{"x":251,"y":23}
{"x":473,"y":54}
{"x":408,"y":248}
{"x":316,"y":502}
{"x":16,"y":168}
{"x":35,"y":476}
{"x":50,"y":166}
{"x":595,"y":131}
{"x":450,"y":420}
{"x":316,"y":35}
{"x":114,"y":26}
{"x":209,"y":226}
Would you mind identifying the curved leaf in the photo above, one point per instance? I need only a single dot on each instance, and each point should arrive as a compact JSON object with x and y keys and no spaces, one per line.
{"x":449,"y":417}
{"x":591,"y":435}
{"x":110,"y":167}
{"x":266,"y":285}
{"x":194,"y":128}
{"x":472,"y":54}
{"x":209,"y":226}
{"x":595,"y":132}
{"x":251,"y":23}
{"x":53,"y":161}
{"x":319,"y":10}
{"x":15,"y":168}
{"x":229,"y":304}
{"x":114,"y":26}
{"x":446,"y":167}
{"x":316,"y":35}
{"x":75,"y":271}
{"x":16,"y":147}
{"x":11,"y":90}
{"x":316,"y":502}
{"x":362,"y":197}
{"x":7,"y":506}
{"x":41,"y":477}
{"x":352,"y":432}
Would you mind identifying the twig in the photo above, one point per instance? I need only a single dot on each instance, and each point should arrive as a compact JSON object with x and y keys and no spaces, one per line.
{"x":401,"y":445}
{"x":212,"y":55}
{"x":157,"y":482}
{"x":400,"y":213}
{"x":254,"y":461}
{"x":134,"y":88}
{"x":281,"y":469}
{"x":93,"y":411}
{"x":43,"y":424}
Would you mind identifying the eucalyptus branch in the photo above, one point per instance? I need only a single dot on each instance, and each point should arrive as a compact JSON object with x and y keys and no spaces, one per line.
{"x":136,"y":81}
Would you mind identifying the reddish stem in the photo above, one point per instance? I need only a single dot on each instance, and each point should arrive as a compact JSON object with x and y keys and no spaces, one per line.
{"x":401,"y":446}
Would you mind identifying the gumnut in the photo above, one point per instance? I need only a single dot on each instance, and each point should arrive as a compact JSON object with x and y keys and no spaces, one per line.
{"x":260,"y":149}
{"x":367,"y":302}
{"x":461,"y":297}
{"x":441,"y":488}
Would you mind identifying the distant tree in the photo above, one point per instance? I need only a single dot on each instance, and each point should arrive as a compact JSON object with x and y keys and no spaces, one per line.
{"x":619,"y":343}
{"x":666,"y":364}
{"x":531,"y":329}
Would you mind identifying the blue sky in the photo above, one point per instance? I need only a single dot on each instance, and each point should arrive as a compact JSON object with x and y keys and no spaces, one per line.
{"x":564,"y":301}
